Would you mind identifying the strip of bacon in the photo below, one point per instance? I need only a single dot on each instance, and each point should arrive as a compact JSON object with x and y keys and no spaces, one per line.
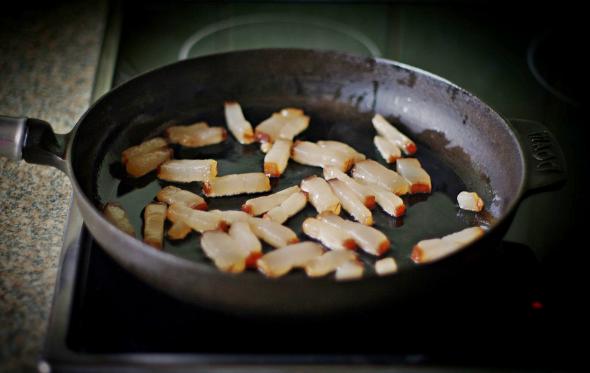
{"x":368,"y":238}
{"x":188,"y":170}
{"x":142,"y":164}
{"x":334,"y":238}
{"x":172,"y":195}
{"x":311,"y":154}
{"x":373,"y":172}
{"x":436,"y":248}
{"x":196,"y":135}
{"x":154,"y":216}
{"x":260,"y":205}
{"x":350,"y":270}
{"x":328,"y":262}
{"x":344,"y":148}
{"x":385,"y":266}
{"x":351,"y":203}
{"x":115,"y":213}
{"x":389,"y":202}
{"x":280,"y":261}
{"x":240,"y":231}
{"x":200,"y":221}
{"x":320,"y":195}
{"x":470,"y":201}
{"x":237,"y":124}
{"x":388,"y":150}
{"x":148,"y":146}
{"x":387,"y":130}
{"x":361,"y":191}
{"x":223,"y":251}
{"x":275,"y":161}
{"x":231,"y":185}
{"x":291,"y":206}
{"x":412,"y":171}
{"x":272,"y":233}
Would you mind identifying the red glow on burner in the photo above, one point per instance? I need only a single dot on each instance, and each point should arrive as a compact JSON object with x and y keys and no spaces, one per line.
{"x":536,"y":305}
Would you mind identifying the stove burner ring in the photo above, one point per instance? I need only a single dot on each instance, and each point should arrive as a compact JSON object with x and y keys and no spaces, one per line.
{"x":262,"y":19}
{"x":533,"y":57}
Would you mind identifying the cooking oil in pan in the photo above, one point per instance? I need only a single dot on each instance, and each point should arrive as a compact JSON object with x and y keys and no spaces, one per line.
{"x":427,"y":215}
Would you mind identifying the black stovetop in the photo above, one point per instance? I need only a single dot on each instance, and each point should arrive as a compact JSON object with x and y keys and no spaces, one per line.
{"x":497,"y":315}
{"x":523,"y":308}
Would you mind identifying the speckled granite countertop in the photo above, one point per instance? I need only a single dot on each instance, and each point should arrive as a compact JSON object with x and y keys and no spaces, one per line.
{"x":48,"y":57}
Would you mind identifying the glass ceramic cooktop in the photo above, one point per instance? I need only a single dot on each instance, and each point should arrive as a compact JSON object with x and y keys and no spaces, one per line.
{"x":486,"y":50}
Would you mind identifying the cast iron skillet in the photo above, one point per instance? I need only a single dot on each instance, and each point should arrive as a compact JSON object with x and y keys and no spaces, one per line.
{"x":462,"y":143}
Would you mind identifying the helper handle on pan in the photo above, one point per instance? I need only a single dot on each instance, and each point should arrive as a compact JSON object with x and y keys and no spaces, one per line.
{"x":545,"y":162}
{"x":32,"y":140}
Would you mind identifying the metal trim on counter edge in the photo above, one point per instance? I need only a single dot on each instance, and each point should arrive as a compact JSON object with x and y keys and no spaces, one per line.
{"x":107,"y":60}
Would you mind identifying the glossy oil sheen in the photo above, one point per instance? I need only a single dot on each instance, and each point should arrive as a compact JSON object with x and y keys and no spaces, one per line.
{"x":427,"y":216}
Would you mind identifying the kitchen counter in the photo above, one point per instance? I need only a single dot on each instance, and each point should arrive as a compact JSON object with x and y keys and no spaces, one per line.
{"x":48,"y":58}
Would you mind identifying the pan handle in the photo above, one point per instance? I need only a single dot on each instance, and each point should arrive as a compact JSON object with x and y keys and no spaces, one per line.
{"x":545,"y":162}
{"x":32,"y":140}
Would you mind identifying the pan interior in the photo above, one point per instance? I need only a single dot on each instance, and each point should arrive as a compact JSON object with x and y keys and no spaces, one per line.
{"x":340,"y":102}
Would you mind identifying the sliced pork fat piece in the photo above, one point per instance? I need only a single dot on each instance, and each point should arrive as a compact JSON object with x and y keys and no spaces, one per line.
{"x":390,"y":202}
{"x":285,"y":124}
{"x":351,"y":203}
{"x":277,"y":158}
{"x":188,"y":170}
{"x":388,"y":150}
{"x":145,"y":163}
{"x":231,"y":185}
{"x":412,"y":171}
{"x":272,"y":233}
{"x":145,"y":147}
{"x":350,"y":270}
{"x":291,"y":206}
{"x":178,"y":231}
{"x":370,"y":171}
{"x":328,"y":262}
{"x":338,"y":146}
{"x":387,"y":130}
{"x":280,"y":261}
{"x":237,"y":124}
{"x":223,"y":251}
{"x":260,"y":205}
{"x":470,"y":201}
{"x":200,"y":221}
{"x":436,"y":248}
{"x":311,"y":154}
{"x":320,"y":195}
{"x":368,"y":238}
{"x":118,"y":217}
{"x":172,"y":195}
{"x":362,"y":192}
{"x":154,"y":216}
{"x":240,"y":231}
{"x":231,"y":216}
{"x":295,"y":122}
{"x":334,"y":238}
{"x":385,"y":266}
{"x":196,"y":135}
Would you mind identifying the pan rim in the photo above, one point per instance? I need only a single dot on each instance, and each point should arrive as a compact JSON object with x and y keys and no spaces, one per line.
{"x":141,"y":248}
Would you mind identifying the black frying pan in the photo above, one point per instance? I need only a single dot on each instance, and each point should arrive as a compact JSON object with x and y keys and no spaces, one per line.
{"x":462,"y":143}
